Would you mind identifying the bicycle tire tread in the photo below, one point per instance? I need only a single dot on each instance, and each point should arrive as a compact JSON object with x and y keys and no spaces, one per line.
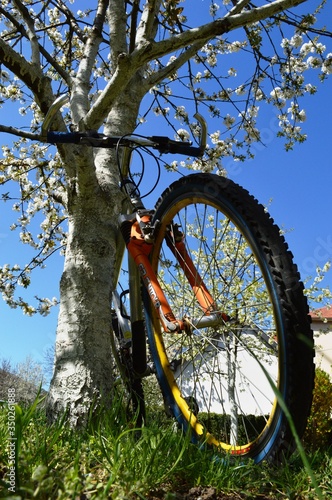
{"x":289,"y":288}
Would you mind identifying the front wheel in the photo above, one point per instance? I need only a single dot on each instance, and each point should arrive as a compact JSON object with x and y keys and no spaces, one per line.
{"x":221,"y":376}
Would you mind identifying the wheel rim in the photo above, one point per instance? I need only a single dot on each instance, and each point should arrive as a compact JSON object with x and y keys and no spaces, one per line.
{"x":221,"y":369}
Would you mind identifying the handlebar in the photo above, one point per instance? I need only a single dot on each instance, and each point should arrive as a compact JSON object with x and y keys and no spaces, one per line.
{"x":91,"y":138}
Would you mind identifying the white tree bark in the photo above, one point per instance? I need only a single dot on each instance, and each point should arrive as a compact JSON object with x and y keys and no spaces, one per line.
{"x":83,"y":364}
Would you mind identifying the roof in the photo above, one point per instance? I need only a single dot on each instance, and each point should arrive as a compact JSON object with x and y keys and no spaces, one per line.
{"x":322,"y":313}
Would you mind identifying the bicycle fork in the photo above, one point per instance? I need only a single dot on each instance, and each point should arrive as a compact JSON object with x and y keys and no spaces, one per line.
{"x":138,"y":234}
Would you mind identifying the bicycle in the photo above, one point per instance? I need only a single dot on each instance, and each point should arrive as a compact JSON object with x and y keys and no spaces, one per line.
{"x":222,"y":306}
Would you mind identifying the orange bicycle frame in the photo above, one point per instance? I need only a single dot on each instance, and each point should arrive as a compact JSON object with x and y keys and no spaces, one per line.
{"x":140,"y":249}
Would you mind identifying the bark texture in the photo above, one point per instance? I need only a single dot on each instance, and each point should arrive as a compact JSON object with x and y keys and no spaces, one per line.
{"x":83,"y":364}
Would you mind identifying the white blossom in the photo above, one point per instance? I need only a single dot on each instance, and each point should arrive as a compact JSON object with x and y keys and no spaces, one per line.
{"x":253,"y":134}
{"x":240,"y":90}
{"x":259,"y":94}
{"x":236,"y":46}
{"x":232,"y":72}
{"x":314,"y":62}
{"x":229,"y":121}
{"x":28,"y":310}
{"x":296,"y":114}
{"x":296,"y":40}
{"x":212,"y":60}
{"x":278,"y":94}
{"x":214,"y":9}
{"x":311,"y":89}
{"x":327,"y":64}
{"x":181,"y":113}
{"x":182,"y":134}
{"x":198,"y":77}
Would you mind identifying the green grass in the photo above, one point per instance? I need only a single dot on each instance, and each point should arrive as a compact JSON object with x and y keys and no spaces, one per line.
{"x":108,"y":460}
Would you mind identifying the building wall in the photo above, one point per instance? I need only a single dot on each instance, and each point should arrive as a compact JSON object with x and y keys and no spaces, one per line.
{"x":323,"y":345}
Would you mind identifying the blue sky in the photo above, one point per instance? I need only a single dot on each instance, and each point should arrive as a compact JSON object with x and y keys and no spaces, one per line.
{"x":296,"y":185}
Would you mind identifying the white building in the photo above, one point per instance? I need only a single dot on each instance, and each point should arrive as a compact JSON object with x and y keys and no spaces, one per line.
{"x":322,"y":328}
{"x":205,"y":376}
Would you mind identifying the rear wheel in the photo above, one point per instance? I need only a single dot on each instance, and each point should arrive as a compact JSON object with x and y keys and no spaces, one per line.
{"x":219,"y":378}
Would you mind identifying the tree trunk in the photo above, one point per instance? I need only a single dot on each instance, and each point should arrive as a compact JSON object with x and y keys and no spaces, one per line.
{"x":83,"y":364}
{"x":83,"y":358}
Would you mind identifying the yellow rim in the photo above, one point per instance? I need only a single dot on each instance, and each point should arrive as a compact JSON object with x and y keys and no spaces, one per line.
{"x":196,"y":426}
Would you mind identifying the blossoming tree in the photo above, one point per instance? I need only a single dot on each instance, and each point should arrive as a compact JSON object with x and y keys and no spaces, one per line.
{"x":120,"y":62}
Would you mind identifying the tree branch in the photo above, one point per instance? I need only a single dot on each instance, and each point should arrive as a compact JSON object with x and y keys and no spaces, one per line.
{"x":81,"y":84}
{"x":133,"y":25}
{"x":117,"y":26}
{"x":20,"y":28}
{"x":25,"y":71}
{"x":71,"y":20}
{"x":148,"y":24}
{"x":35,"y":52}
{"x":149,"y":50}
{"x":206,"y":32}
{"x":123,"y":71}
{"x":19,"y":133}
{"x":92,"y":44}
{"x":237,"y":7}
{"x":160,"y":75}
{"x":123,"y":74}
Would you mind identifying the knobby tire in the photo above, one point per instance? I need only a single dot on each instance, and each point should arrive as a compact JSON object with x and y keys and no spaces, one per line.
{"x":214,"y":379}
